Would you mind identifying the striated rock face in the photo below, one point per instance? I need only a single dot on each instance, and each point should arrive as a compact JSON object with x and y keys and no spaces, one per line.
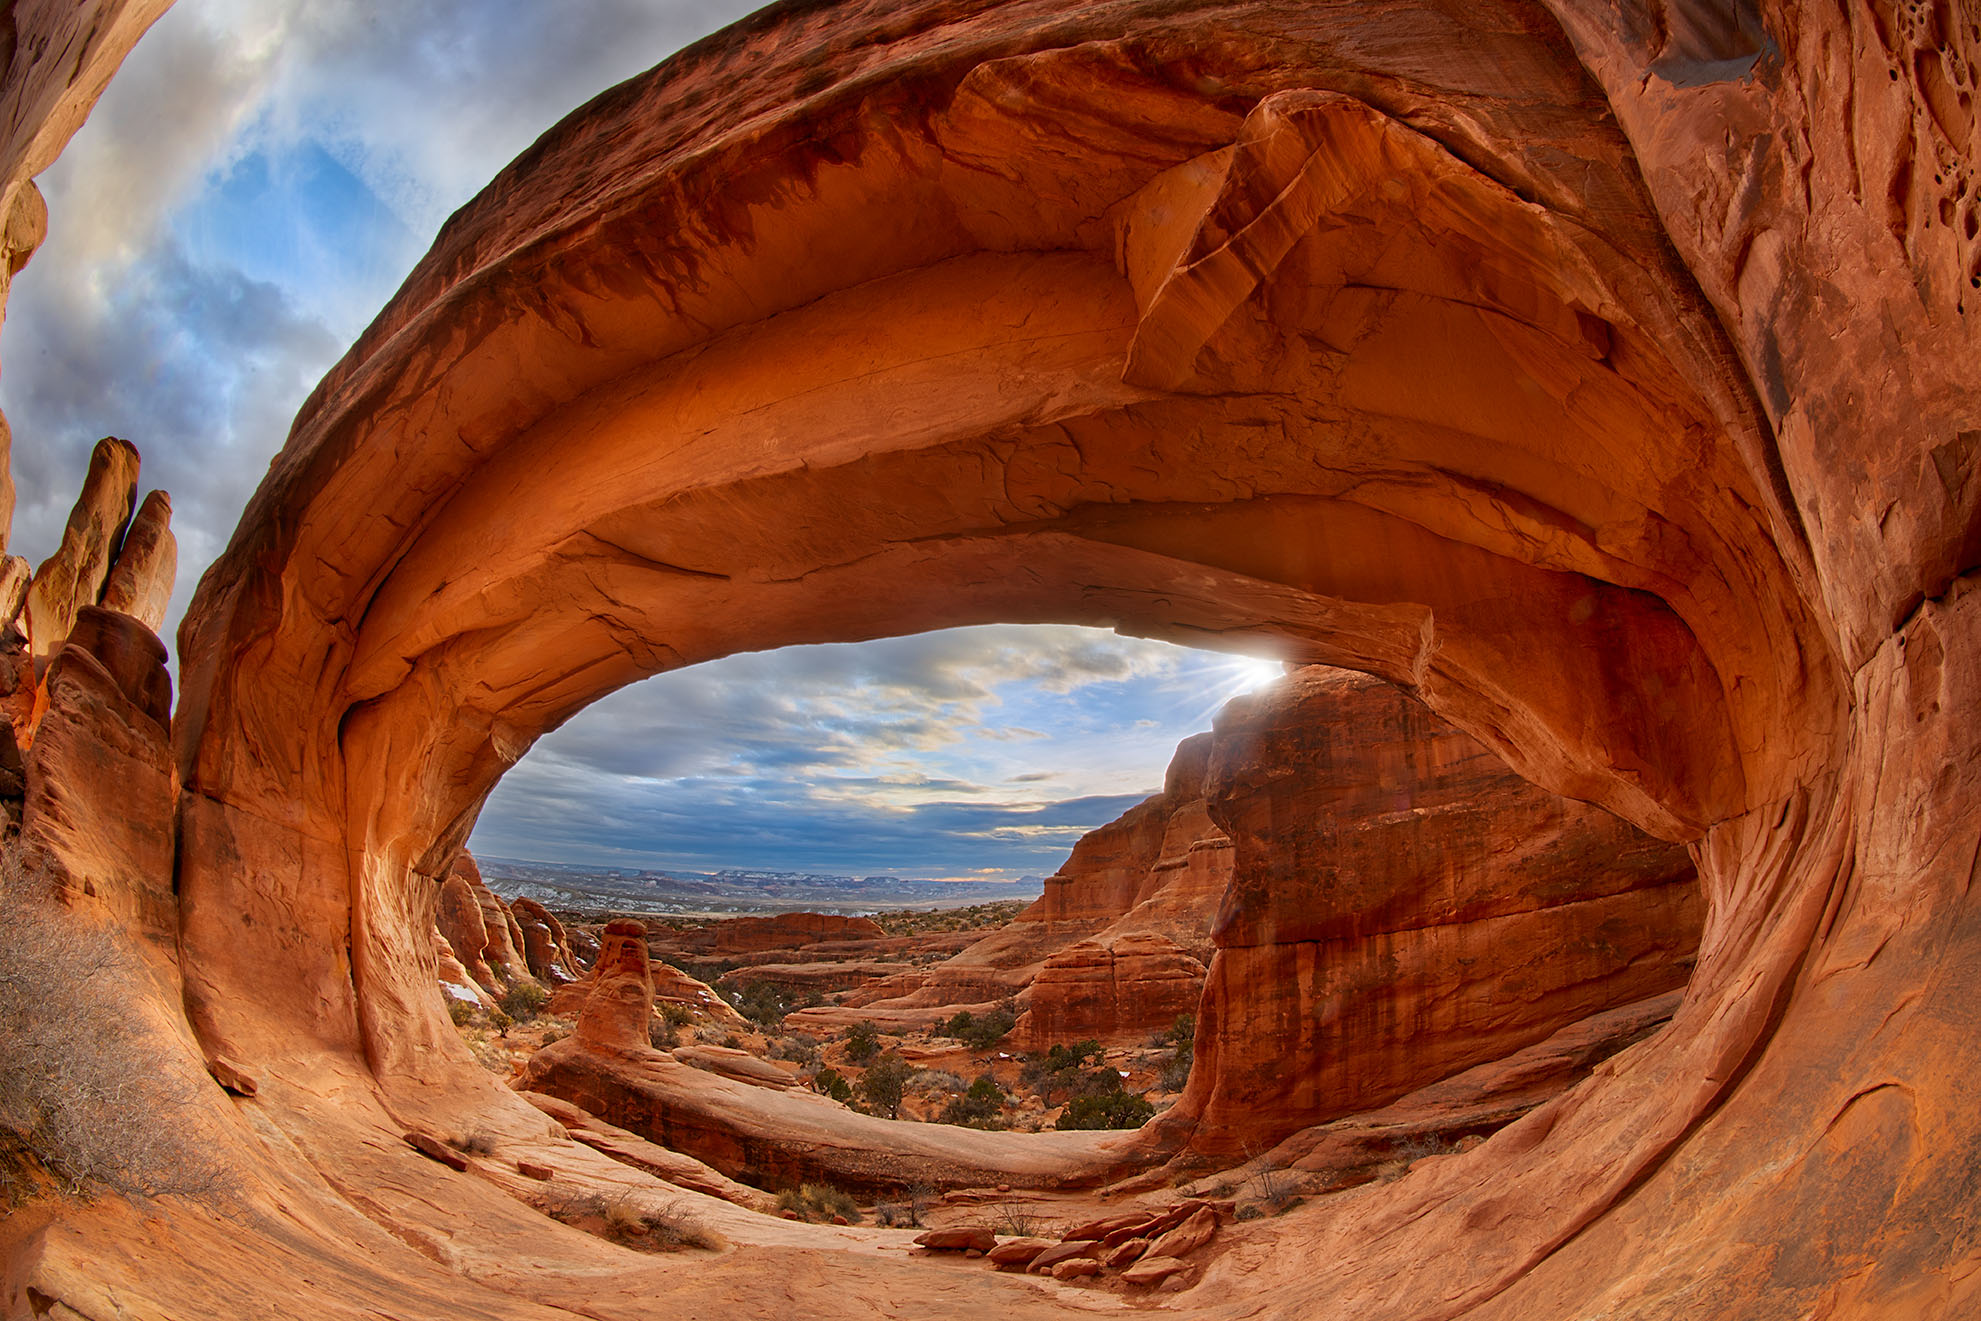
{"x":1125,"y":986}
{"x":102,"y":793}
{"x":1601,"y":372}
{"x":1403,"y":907}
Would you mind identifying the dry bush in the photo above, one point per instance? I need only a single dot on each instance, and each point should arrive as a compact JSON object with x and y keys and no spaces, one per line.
{"x":88,"y":1091}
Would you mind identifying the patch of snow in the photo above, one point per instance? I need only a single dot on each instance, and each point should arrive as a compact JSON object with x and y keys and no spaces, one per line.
{"x":460,"y":992}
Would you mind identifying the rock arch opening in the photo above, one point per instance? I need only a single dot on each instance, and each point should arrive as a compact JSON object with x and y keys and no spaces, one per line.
{"x":1458,"y":345}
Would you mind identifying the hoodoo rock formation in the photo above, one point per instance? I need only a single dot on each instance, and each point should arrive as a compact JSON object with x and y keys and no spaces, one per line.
{"x":1601,"y":373}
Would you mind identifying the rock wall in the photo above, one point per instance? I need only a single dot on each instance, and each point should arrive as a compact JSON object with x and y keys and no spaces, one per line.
{"x":1403,"y":907}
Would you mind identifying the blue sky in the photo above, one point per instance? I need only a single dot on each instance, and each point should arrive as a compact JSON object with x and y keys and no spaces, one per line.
{"x":256,"y":182}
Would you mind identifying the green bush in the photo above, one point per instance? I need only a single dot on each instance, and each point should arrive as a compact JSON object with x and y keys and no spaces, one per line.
{"x":819,"y":1201}
{"x":1115,"y":1109}
{"x":524,"y":1001}
{"x":862,"y":1040}
{"x":674,"y":1013}
{"x":1182,"y":1041}
{"x":763,"y":1004}
{"x":980,"y":1107}
{"x":1056,"y":1074}
{"x":461,"y":1012}
{"x":830,"y":1082}
{"x":885,"y":1083}
{"x":982,"y":1031}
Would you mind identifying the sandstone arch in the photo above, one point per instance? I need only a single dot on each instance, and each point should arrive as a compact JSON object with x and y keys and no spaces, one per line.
{"x":1492,"y":349}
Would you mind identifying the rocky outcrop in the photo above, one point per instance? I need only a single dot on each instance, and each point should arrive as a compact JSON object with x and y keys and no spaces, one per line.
{"x":1159,"y":871}
{"x":618,"y":1005}
{"x":778,"y":931}
{"x":102,"y":793}
{"x":1403,"y":907}
{"x":140,"y":582}
{"x":1124,"y":987}
{"x":73,"y":576}
{"x":546,"y":949}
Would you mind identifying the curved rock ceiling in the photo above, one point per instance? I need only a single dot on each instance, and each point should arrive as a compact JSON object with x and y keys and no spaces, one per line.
{"x":1602,"y":374}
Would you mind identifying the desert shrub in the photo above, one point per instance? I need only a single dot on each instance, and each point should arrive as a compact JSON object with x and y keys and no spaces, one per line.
{"x":661,"y":1034}
{"x":862,"y":1041}
{"x":625,"y":1222}
{"x":674,"y":1013}
{"x":1056,"y":1074}
{"x":475,"y":1144}
{"x":798,"y":1050}
{"x":830,"y":1082}
{"x":524,"y":1001}
{"x":936,"y":1080}
{"x":763,"y":1004}
{"x":1182,"y":1042}
{"x":884,"y":1084}
{"x":1013,"y":1219}
{"x":982,"y":1031}
{"x":88,"y":1094}
{"x":552,"y":1035}
{"x":819,"y":1201}
{"x":980,"y":1107}
{"x":462,"y":1013}
{"x":1115,"y":1109}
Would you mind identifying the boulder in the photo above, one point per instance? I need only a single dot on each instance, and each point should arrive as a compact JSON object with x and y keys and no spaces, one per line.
{"x":1151,"y":1271}
{"x":959,"y":1239}
{"x":1187,"y":1237}
{"x":1073,"y":1250}
{"x":1018,"y":1252}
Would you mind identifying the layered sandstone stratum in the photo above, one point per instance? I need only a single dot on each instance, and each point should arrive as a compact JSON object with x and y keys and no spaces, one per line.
{"x":1601,"y":374}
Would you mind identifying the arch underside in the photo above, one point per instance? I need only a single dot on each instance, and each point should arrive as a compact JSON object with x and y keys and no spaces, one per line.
{"x":1352,"y":332}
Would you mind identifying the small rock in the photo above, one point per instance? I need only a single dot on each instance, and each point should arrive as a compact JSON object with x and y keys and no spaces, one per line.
{"x":1004,"y":1187}
{"x":1149,"y":1227}
{"x":841,"y":1220}
{"x":1153,"y":1270}
{"x":1187,"y":1237}
{"x":529,"y":1169}
{"x":232,"y":1076}
{"x":1176,"y":1283}
{"x":434,"y":1149}
{"x":958,"y":1240}
{"x":972,"y":1253}
{"x":1018,"y":1251}
{"x":788,"y":1215}
{"x":1100,"y":1229}
{"x":1059,"y":1252}
{"x":1126,"y":1252}
{"x":1075,"y":1268}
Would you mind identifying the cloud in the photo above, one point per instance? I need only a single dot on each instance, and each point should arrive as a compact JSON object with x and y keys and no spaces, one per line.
{"x":255,"y":183}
